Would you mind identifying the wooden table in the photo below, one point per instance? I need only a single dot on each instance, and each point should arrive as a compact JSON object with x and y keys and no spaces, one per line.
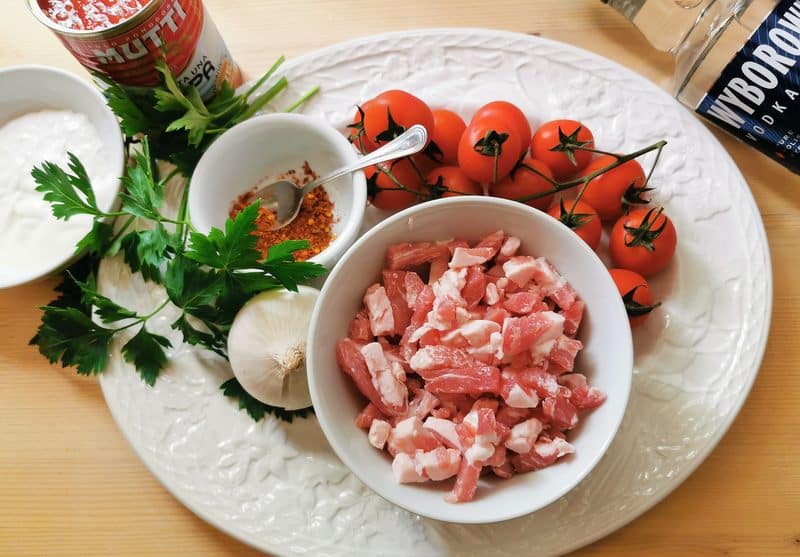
{"x":71,"y":485}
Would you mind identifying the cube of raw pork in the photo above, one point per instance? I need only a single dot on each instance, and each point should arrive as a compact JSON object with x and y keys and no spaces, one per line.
{"x":400,"y":257}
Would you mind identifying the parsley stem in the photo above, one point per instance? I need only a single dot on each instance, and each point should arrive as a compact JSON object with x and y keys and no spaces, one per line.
{"x":257,"y":85}
{"x":122,"y":230}
{"x":304,"y":99}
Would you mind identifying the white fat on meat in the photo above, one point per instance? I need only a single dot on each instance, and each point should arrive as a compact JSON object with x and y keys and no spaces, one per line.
{"x":378,"y":433}
{"x":557,"y":446}
{"x":467,"y":257}
{"x":444,"y":430}
{"x":405,"y":471}
{"x":379,"y":310}
{"x":391,"y":389}
{"x":519,"y":398}
{"x":476,"y":332}
{"x":520,"y":269}
{"x":523,"y":436}
{"x":492,"y":295}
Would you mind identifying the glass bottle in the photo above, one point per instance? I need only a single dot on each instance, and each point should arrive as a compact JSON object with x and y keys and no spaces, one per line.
{"x":737,"y":64}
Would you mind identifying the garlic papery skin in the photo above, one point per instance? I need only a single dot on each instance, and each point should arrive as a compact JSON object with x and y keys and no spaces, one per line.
{"x":267,"y":346}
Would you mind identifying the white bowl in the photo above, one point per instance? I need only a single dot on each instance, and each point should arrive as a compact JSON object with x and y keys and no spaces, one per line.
{"x":607,"y":357}
{"x":33,"y":88}
{"x":270,"y":145}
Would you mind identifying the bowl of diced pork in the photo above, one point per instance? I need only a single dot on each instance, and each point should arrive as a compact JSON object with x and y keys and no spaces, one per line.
{"x":470,"y":359}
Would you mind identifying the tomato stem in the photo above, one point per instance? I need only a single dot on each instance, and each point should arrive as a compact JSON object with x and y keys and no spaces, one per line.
{"x":622,"y":159}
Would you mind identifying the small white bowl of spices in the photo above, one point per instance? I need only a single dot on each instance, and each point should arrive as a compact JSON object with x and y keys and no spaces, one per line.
{"x":272,"y":147}
{"x":44,"y":114}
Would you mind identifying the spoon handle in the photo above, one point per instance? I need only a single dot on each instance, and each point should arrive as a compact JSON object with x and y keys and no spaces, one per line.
{"x":411,"y":141}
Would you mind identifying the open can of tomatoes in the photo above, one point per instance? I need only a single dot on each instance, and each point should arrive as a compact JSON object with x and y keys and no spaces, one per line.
{"x":122,"y":39}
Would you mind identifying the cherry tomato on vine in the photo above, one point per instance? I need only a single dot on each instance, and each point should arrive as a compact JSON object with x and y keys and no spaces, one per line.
{"x":526,"y":179}
{"x":488,"y":150}
{"x":454,"y":179}
{"x":384,"y":193}
{"x":448,"y":127}
{"x":393,"y":112}
{"x":547,"y":137}
{"x":636,"y":295}
{"x":583,"y":220}
{"x":643,"y":241}
{"x":606,"y":192}
{"x":358,"y":135}
{"x":505,"y":111}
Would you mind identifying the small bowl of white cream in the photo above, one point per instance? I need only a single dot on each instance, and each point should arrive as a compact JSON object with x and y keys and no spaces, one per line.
{"x":46,"y":113}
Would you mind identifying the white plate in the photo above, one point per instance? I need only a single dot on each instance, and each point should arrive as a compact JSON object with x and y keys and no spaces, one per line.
{"x":279,"y":487}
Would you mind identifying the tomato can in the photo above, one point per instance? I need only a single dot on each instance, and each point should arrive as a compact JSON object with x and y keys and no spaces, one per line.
{"x":127,"y":51}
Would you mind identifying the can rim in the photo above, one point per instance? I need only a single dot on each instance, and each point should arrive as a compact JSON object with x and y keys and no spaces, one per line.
{"x":121,"y":27}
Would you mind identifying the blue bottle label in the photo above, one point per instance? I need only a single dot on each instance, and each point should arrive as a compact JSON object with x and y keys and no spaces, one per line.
{"x":757,"y":97}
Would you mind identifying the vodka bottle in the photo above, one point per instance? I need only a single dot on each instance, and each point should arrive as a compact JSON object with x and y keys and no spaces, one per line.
{"x":737,"y":64}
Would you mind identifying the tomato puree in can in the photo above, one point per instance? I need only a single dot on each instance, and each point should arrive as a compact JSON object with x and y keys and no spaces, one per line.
{"x":122,"y":39}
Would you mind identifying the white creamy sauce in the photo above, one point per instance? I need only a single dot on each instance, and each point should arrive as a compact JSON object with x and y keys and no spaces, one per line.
{"x":31,"y":239}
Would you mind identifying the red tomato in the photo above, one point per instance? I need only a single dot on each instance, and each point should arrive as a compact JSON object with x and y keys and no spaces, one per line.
{"x":488,"y":150}
{"x":454,"y":179}
{"x":605,"y":192}
{"x":547,"y":137}
{"x":584,"y":220}
{"x":635,"y":294}
{"x":643,"y":241}
{"x":525,"y":181}
{"x":385,"y":194}
{"x":405,"y":109}
{"x":507,"y":112}
{"x":448,"y":127}
{"x":358,"y":136}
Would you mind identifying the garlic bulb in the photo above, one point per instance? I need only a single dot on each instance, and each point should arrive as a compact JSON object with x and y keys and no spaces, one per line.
{"x":267,"y":345}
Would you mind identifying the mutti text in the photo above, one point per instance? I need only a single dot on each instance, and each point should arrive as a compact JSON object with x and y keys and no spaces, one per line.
{"x":138,"y":47}
{"x":759,"y":78}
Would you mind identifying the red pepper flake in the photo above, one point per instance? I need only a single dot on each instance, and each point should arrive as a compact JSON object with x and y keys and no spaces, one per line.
{"x":314,"y":222}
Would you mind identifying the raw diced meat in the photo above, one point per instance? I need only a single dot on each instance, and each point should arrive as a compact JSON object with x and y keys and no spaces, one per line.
{"x":510,"y":416}
{"x":387,"y":378}
{"x":379,"y":433}
{"x":522,"y":303}
{"x":439,"y":357}
{"x":444,"y":430}
{"x":516,"y":394}
{"x":524,"y":435}
{"x":523,"y":333}
{"x":505,"y":471}
{"x":394,"y":283}
{"x":438,"y":267}
{"x":582,"y":396}
{"x":572,"y":317}
{"x":562,"y":356}
{"x":491,"y":295}
{"x":494,"y":241}
{"x":475,"y":333}
{"x":438,"y":464}
{"x":408,"y":436}
{"x":405,"y":470}
{"x":560,"y":412}
{"x":466,"y":257}
{"x":414,"y":286}
{"x":405,"y":256}
{"x":479,"y":380}
{"x":379,"y":309}
{"x":351,"y":361}
{"x":474,"y":287}
{"x":463,"y":380}
{"x":508,"y":250}
{"x":422,"y":404}
{"x":520,"y":269}
{"x":369,"y":414}
{"x":496,"y":314}
{"x":542,"y":455}
{"x":466,"y":483}
{"x":360,"y":329}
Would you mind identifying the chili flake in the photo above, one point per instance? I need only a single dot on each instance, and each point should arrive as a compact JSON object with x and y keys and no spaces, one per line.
{"x":314,"y":222}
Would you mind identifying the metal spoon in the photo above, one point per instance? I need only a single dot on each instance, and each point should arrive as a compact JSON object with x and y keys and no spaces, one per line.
{"x":284,"y":198}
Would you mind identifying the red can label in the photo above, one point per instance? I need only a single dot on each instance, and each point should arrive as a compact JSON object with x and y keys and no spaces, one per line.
{"x":127,"y":52}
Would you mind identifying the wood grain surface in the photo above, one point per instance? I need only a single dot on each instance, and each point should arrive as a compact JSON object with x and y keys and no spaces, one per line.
{"x":71,"y":485}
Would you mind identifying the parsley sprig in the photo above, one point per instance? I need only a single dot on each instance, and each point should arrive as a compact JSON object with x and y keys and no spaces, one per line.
{"x":208,"y":277}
